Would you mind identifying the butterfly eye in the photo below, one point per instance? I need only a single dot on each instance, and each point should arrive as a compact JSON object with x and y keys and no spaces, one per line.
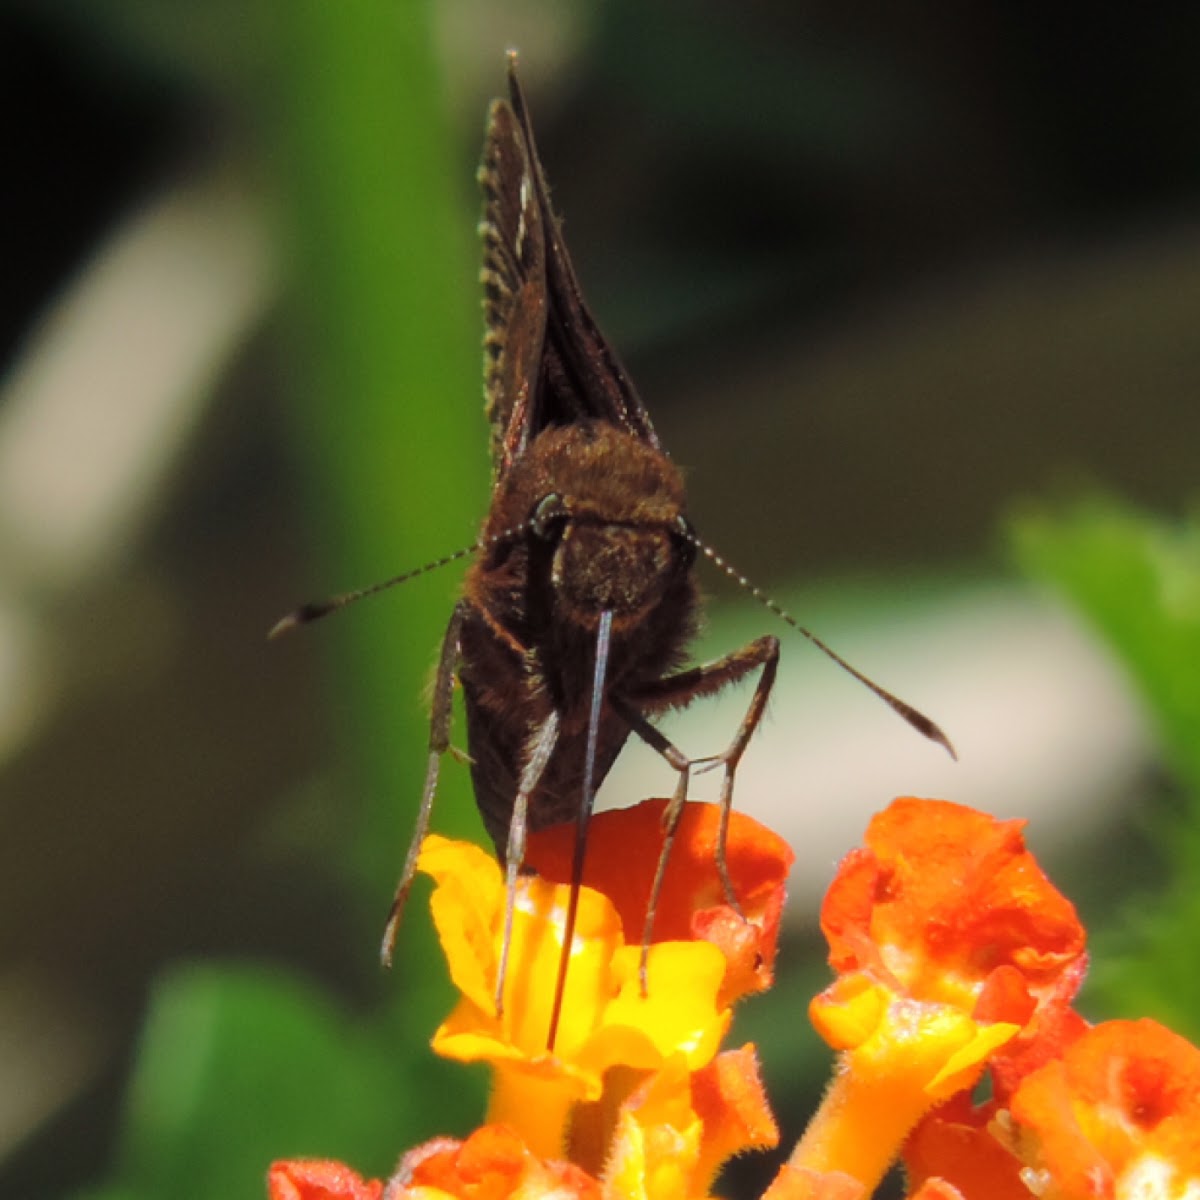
{"x":548,"y":516}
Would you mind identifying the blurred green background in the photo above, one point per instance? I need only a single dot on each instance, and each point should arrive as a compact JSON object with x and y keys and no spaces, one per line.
{"x":912,"y":294}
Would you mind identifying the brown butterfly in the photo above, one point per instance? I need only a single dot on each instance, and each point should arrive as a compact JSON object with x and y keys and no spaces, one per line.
{"x":581,"y":600}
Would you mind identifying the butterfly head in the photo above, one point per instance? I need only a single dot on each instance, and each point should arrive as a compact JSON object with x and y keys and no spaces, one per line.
{"x":605,"y":516}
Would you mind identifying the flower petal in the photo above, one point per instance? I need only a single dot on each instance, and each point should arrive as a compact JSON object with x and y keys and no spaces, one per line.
{"x":319,"y":1179}
{"x":693,"y":901}
{"x":729,"y":1097}
{"x":656,"y":1143}
{"x":804,"y":1183}
{"x":1118,"y":1114}
{"x":605,"y":1022}
{"x":946,"y":903}
{"x":492,"y":1164}
{"x":953,"y":1144}
{"x":899,"y":1057}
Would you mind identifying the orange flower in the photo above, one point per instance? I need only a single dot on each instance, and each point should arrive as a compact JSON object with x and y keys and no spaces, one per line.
{"x":633,"y":1089}
{"x":806,"y":1183}
{"x":693,"y":904}
{"x":319,"y":1179}
{"x":729,"y":1097}
{"x":949,"y":943}
{"x":937,"y":1189}
{"x":947,"y":903}
{"x":492,"y":1164}
{"x":703,"y":954}
{"x":899,"y":1058}
{"x":1117,"y":1115}
{"x":953,"y":1144}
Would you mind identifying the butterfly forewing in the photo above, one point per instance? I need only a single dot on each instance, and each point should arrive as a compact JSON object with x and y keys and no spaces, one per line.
{"x":548,"y":363}
{"x":514,"y":286}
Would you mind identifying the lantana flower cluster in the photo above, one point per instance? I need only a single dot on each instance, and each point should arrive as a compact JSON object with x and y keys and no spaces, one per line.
{"x":959,"y":1051}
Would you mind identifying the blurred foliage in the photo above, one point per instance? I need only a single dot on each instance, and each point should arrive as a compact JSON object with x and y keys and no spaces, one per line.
{"x":379,"y":336}
{"x":1135,"y":578}
{"x":383,"y":346}
{"x":238,"y":1066}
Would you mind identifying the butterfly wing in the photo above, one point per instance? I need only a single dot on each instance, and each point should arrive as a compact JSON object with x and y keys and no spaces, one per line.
{"x":514,"y":286}
{"x":547,"y":363}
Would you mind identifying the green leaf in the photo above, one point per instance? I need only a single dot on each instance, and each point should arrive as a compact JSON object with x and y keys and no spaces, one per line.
{"x":1136,"y":580}
{"x":238,"y":1067}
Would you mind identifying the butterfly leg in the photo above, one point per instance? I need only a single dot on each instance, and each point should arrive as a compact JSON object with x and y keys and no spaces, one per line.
{"x":676,"y":691}
{"x":441,"y":711}
{"x":656,"y":740}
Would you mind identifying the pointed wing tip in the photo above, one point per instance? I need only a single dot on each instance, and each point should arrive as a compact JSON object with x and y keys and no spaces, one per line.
{"x":515,"y":91}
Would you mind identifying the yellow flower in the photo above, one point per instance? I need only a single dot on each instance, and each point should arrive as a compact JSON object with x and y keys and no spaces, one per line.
{"x":606,"y":1021}
{"x":631,"y":1072}
{"x":674,"y":1132}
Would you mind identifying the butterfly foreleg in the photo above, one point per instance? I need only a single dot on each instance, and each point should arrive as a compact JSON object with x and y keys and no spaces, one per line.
{"x":441,"y":712}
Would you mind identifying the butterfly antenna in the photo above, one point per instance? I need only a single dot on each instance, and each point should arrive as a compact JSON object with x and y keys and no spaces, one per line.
{"x":917,"y":719}
{"x":307,"y":613}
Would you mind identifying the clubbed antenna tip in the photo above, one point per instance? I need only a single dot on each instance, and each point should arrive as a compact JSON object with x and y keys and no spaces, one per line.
{"x":303,"y":615}
{"x":307,"y":613}
{"x":915,"y":718}
{"x":923,"y":725}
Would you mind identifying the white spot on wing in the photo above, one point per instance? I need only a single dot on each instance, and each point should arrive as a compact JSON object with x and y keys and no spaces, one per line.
{"x":522,"y":231}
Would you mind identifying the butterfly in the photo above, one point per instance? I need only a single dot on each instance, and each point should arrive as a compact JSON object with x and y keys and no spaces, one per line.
{"x":579,"y":604}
